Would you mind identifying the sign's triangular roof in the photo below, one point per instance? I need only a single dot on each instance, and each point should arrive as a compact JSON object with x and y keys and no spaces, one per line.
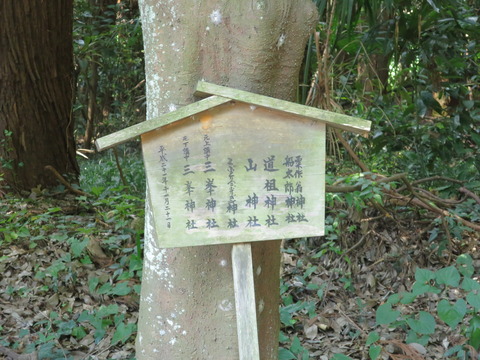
{"x":333,"y":119}
{"x":222,"y":95}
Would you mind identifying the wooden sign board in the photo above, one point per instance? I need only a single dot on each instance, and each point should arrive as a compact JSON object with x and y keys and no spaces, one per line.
{"x":236,"y":173}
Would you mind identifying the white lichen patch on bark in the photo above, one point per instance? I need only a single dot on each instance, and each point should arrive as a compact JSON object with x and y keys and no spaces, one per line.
{"x":226,"y":305}
{"x":216,"y":17}
{"x":261,"y":306}
{"x":154,"y":258}
{"x":223,"y":263}
{"x":281,"y":41}
{"x":170,"y":326}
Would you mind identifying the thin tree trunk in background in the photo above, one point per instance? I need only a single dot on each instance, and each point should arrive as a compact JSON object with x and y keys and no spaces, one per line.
{"x":92,"y":108}
{"x":187,"y":308}
{"x":36,"y":74}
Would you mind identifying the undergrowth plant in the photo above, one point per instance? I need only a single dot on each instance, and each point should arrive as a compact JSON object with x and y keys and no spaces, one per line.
{"x":436,"y":289}
{"x":113,"y":216}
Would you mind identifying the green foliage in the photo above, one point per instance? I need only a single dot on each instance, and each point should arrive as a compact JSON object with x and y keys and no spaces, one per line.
{"x":100,"y":175}
{"x":419,"y":327}
{"x":108,"y":47}
{"x":121,"y":214}
{"x":411,"y":68}
{"x":460,"y":312}
{"x":293,"y":350}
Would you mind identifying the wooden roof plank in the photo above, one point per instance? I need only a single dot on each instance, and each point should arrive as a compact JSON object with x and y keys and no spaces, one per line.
{"x":131,"y":132}
{"x":344,"y":122}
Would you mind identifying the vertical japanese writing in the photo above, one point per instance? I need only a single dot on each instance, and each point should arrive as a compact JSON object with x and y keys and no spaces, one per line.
{"x":269,"y":163}
{"x":258,"y":192}
{"x":189,"y":203}
{"x":165,"y":187}
{"x":232,"y":206}
{"x":251,"y":165}
{"x":295,"y":200}
{"x":186,"y":156}
{"x":206,"y":154}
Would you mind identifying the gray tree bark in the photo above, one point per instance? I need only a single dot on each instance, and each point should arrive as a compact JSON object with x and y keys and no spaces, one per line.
{"x":187,"y":300}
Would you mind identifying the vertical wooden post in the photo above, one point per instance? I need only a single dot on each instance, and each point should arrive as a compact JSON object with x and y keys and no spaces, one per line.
{"x":245,"y":302}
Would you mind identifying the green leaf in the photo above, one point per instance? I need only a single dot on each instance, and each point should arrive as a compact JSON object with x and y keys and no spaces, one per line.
{"x":121,"y":289}
{"x":309,"y":271}
{"x":282,"y":337}
{"x":465,"y":265}
{"x":385,"y":315}
{"x":413,"y":337}
{"x":474,"y":331}
{"x":105,"y":289}
{"x":452,"y":314}
{"x":123,"y":332}
{"x":424,"y":282}
{"x":78,"y":246}
{"x":372,"y":337}
{"x":284,"y":354}
{"x":424,"y":276}
{"x":448,"y":276}
{"x":422,"y":288}
{"x":92,"y":284}
{"x":374,"y":351}
{"x":286,"y":313}
{"x":473,"y":299}
{"x":470,"y":284}
{"x":312,"y":286}
{"x":85,"y":316}
{"x":425,"y":324}
{"x":107,"y":310}
{"x":296,"y":347}
{"x":79,"y":332}
{"x":407,"y":298}
{"x":394,"y":299}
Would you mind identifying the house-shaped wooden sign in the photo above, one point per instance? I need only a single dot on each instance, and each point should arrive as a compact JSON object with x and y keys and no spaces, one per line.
{"x":236,"y":167}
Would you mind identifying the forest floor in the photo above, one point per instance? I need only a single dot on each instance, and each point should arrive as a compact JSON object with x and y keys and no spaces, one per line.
{"x":69,"y":283}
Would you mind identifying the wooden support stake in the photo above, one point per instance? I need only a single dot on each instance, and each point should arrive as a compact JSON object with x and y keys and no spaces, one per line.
{"x":245,"y":302}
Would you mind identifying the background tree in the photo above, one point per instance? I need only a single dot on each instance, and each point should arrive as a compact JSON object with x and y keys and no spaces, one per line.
{"x":36,"y":92}
{"x":187,"y":300}
{"x":109,"y":67}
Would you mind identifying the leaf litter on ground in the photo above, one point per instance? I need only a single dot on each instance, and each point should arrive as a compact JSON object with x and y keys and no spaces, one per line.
{"x":70,"y":279}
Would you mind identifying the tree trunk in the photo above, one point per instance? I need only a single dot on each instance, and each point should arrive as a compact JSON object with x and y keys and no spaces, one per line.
{"x":92,"y":109}
{"x":36,"y":72}
{"x":187,"y":301}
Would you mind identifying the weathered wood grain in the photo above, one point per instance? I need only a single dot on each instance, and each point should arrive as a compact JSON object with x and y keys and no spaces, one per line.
{"x":124,"y":135}
{"x":333,"y":119}
{"x":245,"y":302}
{"x":247,"y":137}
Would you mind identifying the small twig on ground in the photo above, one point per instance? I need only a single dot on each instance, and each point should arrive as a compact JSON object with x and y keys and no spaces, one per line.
{"x":357,"y":244}
{"x":371,"y":266}
{"x":351,"y":321}
{"x":65,"y":182}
